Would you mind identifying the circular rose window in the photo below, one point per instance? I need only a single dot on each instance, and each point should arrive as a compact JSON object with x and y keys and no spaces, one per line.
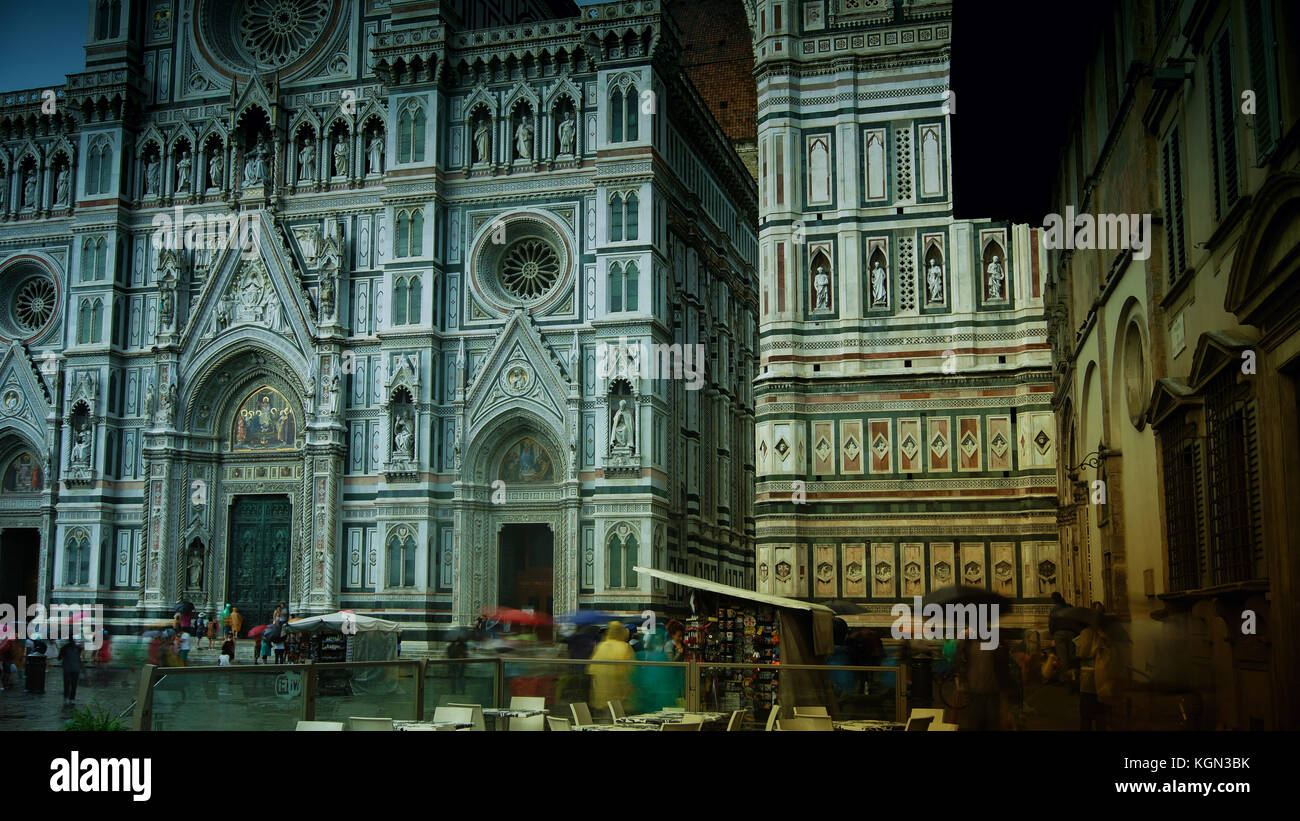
{"x":277,"y":31}
{"x":257,"y":36}
{"x":529,"y":269}
{"x":32,"y":300}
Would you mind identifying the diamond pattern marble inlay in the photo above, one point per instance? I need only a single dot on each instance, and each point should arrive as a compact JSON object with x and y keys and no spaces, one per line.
{"x":939,"y":445}
{"x":880,"y":445}
{"x":969,"y":445}
{"x":999,"y":444}
{"x":823,"y":448}
{"x":1042,"y":441}
{"x":851,"y":448}
{"x":909,"y":446}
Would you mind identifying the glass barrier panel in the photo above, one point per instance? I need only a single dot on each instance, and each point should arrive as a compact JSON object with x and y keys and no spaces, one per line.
{"x":639,"y":687}
{"x":224,"y":698}
{"x":460,"y":681}
{"x":386,"y":690}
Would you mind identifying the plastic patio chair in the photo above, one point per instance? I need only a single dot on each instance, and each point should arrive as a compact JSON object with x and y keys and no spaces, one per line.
{"x":681,"y":727}
{"x":616,"y":710}
{"x":369,"y":723}
{"x":476,"y":714}
{"x":331,"y":726}
{"x":557,"y":724}
{"x":737,"y":717}
{"x":581,"y":714}
{"x":773,"y":715}
{"x":811,"y":712}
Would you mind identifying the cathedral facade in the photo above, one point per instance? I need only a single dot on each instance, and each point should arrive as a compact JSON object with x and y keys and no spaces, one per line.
{"x":414,"y":308}
{"x":904,"y":431}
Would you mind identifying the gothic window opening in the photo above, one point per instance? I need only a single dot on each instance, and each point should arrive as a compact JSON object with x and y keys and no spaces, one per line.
{"x":621,"y":557}
{"x":406,"y":301}
{"x":623,"y":113}
{"x":401,"y":557}
{"x":76,"y":551}
{"x":623,"y":217}
{"x":623,"y":287}
{"x":410,"y":133}
{"x":409,"y":233}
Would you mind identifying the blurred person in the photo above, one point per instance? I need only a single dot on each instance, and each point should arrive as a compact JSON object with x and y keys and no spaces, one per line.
{"x":985,"y":676}
{"x":1062,"y":640}
{"x":70,"y":658}
{"x":6,"y":646}
{"x":675,"y":643}
{"x":266,"y":651}
{"x":1101,"y":674}
{"x":609,"y":682}
{"x":199,"y":628}
{"x":583,"y":641}
{"x":212,"y":629}
{"x":457,"y":649}
{"x":34,"y":670}
{"x":257,"y":647}
{"x":183,"y":647}
{"x":236,"y":621}
{"x":842,"y":683}
{"x":655,"y":687}
{"x":227,"y":652}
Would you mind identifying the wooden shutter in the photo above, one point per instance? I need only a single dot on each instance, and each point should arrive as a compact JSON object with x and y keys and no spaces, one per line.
{"x":1263,"y":77}
{"x":1223,"y":132}
{"x":1171,"y":161}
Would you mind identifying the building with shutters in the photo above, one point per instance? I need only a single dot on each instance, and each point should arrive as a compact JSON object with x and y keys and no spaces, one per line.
{"x":1175,"y":374}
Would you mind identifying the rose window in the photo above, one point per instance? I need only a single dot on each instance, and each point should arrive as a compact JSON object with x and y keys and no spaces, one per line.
{"x":529,"y":268}
{"x":277,"y":31}
{"x":34,"y":304}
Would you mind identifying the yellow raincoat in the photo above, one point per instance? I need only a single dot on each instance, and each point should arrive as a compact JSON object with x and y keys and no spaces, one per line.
{"x":610,"y":682}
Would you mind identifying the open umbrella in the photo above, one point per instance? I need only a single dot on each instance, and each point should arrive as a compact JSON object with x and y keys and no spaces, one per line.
{"x":844,"y":607}
{"x":581,"y":617}
{"x":1074,"y":619}
{"x":184,"y":606}
{"x":257,"y":631}
{"x":965,"y":594}
{"x":507,"y":615}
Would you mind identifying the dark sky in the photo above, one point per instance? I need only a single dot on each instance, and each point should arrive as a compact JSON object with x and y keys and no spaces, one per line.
{"x":1016,"y":67}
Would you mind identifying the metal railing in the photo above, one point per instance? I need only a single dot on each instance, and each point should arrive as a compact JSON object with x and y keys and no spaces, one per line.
{"x":425,"y":677}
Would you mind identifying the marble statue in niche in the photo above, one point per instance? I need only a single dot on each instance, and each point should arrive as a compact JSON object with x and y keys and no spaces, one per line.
{"x":568,"y":131}
{"x":306,"y":161}
{"x":482,"y":141}
{"x":215,"y":167}
{"x":622,"y":428}
{"x":152,"y":171}
{"x":81,"y":446}
{"x":340,"y":157}
{"x":29,"y":190}
{"x":934,"y":282}
{"x":822,"y":287}
{"x":61,"y":187}
{"x":524,"y":138}
{"x":879,"y":284}
{"x":194,"y":568}
{"x":255,"y":163}
{"x":403,"y":439}
{"x":996,"y":278}
{"x":376,"y":151}
{"x":183,"y":166}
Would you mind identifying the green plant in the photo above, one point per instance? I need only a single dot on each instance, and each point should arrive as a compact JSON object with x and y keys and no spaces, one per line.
{"x":94,"y":718}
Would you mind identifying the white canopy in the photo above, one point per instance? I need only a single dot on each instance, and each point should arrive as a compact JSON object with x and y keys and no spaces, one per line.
{"x":734,"y":592}
{"x":335,"y":622}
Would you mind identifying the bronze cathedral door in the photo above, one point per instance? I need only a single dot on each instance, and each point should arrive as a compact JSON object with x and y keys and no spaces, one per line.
{"x":259,"y":549}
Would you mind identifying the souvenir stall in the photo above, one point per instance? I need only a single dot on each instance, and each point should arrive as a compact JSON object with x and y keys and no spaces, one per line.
{"x":345,"y":636}
{"x":734,"y":625}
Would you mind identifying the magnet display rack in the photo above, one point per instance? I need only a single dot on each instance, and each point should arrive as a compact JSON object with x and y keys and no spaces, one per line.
{"x":736,"y":633}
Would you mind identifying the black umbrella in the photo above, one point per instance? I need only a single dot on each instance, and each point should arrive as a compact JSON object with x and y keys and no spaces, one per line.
{"x":844,"y":607}
{"x":185,"y":606}
{"x":1074,"y":619}
{"x":964,"y":594}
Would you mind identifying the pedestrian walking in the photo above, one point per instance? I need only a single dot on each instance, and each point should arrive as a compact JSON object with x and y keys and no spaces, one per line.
{"x":70,"y":658}
{"x":985,"y":675}
{"x":279,"y":647}
{"x":34,"y":670}
{"x":184,"y":644}
{"x":609,"y":682}
{"x":212,"y":629}
{"x":266,"y":650}
{"x":236,"y":621}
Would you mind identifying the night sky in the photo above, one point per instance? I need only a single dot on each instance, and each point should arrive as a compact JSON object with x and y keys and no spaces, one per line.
{"x":1016,"y":69}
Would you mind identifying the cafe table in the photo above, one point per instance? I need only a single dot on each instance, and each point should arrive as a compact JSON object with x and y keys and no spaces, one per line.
{"x":617,"y":728}
{"x":431,"y":725}
{"x":502,"y":715}
{"x":867,"y":725}
{"x":659,"y":717}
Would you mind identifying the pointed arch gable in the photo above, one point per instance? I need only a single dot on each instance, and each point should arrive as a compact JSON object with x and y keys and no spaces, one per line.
{"x":480,"y":96}
{"x":563,"y":87}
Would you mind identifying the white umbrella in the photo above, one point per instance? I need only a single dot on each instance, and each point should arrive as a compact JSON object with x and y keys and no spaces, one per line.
{"x":337,"y":622}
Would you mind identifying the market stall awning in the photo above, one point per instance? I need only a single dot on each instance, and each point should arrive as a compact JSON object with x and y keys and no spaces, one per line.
{"x":734,"y":592}
{"x":336,"y":621}
{"x":821,"y":615}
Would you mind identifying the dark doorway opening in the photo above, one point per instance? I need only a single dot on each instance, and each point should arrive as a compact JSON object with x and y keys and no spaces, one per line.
{"x":527,"y":568}
{"x":20,"y":561}
{"x":259,"y":547}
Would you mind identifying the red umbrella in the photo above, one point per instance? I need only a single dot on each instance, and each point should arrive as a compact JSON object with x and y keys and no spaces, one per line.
{"x":257,"y":631}
{"x":507,"y":615}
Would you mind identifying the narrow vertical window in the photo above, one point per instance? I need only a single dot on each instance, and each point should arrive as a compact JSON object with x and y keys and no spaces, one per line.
{"x":413,"y":312}
{"x":630,"y":286}
{"x":630,"y":209}
{"x":399,"y":301}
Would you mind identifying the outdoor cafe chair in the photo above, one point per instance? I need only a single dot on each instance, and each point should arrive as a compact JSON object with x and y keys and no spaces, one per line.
{"x":528,"y":702}
{"x":940,"y":727}
{"x":772,"y":716}
{"x":811,"y":712}
{"x":679,"y":727}
{"x":919,"y":712}
{"x":557,"y":724}
{"x":320,"y":725}
{"x":733,"y":724}
{"x":369,"y":723}
{"x":616,"y":710}
{"x":692,"y":718}
{"x":581,"y":715}
{"x":457,"y":715}
{"x":805,"y":724}
{"x":476,"y":714}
